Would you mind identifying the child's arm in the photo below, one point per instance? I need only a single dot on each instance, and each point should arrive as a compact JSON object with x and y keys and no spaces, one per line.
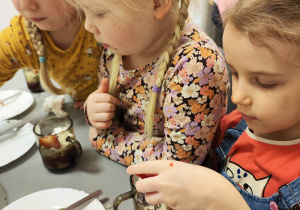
{"x":16,"y":51}
{"x":191,"y":111}
{"x":186,"y":186}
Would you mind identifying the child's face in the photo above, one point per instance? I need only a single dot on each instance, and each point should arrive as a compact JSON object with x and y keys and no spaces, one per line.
{"x":265,"y":88}
{"x":48,"y":15}
{"x":132,"y":36}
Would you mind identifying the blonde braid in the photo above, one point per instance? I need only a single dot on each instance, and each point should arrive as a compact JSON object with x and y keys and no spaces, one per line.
{"x":113,"y":75}
{"x":38,"y":45}
{"x":164,"y":63}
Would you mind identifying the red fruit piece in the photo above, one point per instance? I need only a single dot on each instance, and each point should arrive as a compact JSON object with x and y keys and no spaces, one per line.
{"x":50,"y":142}
{"x":143,"y":176}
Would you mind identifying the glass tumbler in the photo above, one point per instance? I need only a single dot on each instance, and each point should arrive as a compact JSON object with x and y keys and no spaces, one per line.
{"x":32,"y":78}
{"x":56,"y":142}
{"x":139,"y":201}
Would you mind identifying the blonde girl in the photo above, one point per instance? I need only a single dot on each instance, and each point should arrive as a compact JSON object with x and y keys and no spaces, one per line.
{"x":48,"y":36}
{"x":258,"y":158}
{"x":166,"y":77}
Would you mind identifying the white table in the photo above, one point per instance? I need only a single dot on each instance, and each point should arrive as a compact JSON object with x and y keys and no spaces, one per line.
{"x":94,"y":171}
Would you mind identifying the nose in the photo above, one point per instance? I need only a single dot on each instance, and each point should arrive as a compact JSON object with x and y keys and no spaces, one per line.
{"x":241,"y":93}
{"x":90,"y":27}
{"x":28,"y":5}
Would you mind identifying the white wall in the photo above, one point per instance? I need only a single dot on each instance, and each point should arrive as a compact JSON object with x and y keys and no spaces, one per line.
{"x":200,"y":12}
{"x":7,"y":11}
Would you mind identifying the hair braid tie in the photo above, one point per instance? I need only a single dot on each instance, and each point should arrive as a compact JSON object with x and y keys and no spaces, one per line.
{"x":42,"y":59}
{"x":156,"y":89}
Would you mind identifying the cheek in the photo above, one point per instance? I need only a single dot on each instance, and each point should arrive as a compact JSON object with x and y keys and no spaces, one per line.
{"x":274,"y":105}
{"x":65,"y":12}
{"x":280,"y":101}
{"x":122,"y":36}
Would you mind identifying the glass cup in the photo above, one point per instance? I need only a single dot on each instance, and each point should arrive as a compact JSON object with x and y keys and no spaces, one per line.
{"x":139,"y":201}
{"x":32,"y":78}
{"x":56,"y":142}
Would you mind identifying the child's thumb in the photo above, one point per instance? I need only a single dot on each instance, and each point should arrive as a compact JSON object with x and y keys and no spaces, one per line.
{"x":104,"y":86}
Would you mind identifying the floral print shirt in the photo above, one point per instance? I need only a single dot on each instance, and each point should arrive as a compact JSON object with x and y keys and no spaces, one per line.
{"x":189,"y":106}
{"x":75,"y":68}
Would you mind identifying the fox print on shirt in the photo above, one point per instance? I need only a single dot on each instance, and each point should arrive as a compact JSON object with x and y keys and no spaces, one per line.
{"x":245,"y":179}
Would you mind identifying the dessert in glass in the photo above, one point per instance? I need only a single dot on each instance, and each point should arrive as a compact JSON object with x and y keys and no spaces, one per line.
{"x":56,"y":142}
{"x":33,"y":80}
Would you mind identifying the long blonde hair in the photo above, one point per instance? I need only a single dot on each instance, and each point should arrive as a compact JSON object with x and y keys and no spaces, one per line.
{"x":38,"y":44}
{"x":163,"y":65}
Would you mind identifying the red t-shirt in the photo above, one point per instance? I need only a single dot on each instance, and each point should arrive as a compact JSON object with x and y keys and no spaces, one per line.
{"x":260,"y":165}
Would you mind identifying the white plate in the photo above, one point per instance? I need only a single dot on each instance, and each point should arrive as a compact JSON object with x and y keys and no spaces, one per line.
{"x":3,"y":197}
{"x":53,"y":199}
{"x":16,"y":105}
{"x":4,"y":124}
{"x":15,"y":144}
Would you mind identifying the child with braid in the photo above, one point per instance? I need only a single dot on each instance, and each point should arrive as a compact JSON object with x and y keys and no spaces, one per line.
{"x":49,"y":36}
{"x":167,"y":81}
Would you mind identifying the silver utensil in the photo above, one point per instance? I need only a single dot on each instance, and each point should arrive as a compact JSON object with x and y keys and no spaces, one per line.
{"x":16,"y":125}
{"x":83,"y":200}
{"x":10,"y":97}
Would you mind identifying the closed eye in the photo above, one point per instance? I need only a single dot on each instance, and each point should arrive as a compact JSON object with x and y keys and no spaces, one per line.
{"x":266,"y":85}
{"x":100,"y":14}
{"x":233,"y":72}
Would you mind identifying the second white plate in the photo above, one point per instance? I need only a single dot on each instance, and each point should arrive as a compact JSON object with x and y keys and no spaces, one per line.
{"x":16,"y":105}
{"x":53,"y":199}
{"x":15,"y":144}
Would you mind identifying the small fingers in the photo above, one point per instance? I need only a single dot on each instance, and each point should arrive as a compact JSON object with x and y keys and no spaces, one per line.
{"x":150,"y":167}
{"x":153,"y":198}
{"x":79,"y":104}
{"x":106,"y":98}
{"x":147,"y":185}
{"x":102,"y":117}
{"x":104,"y":107}
{"x":102,"y":125}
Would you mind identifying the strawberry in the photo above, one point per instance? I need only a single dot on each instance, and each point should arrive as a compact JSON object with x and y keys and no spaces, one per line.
{"x":143,"y":176}
{"x":50,"y":142}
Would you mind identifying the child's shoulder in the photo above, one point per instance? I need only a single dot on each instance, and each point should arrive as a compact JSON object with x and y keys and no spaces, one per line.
{"x":231,"y":119}
{"x":228,"y":121}
{"x":16,"y":30}
{"x":197,"y":40}
{"x":15,"y":24}
{"x":17,"y":20}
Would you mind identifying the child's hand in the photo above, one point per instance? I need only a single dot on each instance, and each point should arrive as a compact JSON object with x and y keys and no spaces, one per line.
{"x":101,"y":106}
{"x":79,"y":104}
{"x":186,"y":186}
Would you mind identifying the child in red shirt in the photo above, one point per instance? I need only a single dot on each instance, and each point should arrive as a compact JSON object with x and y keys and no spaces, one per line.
{"x":260,"y":142}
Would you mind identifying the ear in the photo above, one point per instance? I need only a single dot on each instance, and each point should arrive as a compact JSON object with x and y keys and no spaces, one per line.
{"x":161,"y":7}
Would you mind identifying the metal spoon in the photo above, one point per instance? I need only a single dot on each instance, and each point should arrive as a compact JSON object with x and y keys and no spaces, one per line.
{"x":83,"y":200}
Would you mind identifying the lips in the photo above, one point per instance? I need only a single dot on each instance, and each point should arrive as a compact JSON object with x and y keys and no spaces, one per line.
{"x":248,"y":118}
{"x":105,"y":46}
{"x":37,"y":19}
